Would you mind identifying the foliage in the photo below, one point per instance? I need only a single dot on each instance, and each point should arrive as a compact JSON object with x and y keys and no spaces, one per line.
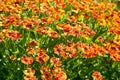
{"x":59,"y":40}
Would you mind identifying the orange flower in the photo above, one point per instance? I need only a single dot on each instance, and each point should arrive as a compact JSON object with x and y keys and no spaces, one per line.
{"x":97,"y":75}
{"x":48,"y":31}
{"x":76,"y":32}
{"x":44,"y":69}
{"x":89,"y":55}
{"x":29,"y":71}
{"x":27,"y":60}
{"x":30,"y":50}
{"x":95,"y":14}
{"x":49,"y":20}
{"x":117,"y":40}
{"x":118,"y":48}
{"x":27,"y":25}
{"x":64,"y":27}
{"x":112,"y":48}
{"x":72,"y":18}
{"x":85,"y":48}
{"x":115,"y":56}
{"x":71,"y":44}
{"x":101,"y":51}
{"x":56,"y":70}
{"x":44,"y":30}
{"x":60,"y":3}
{"x":8,"y":20}
{"x":61,"y":76}
{"x":14,"y":35}
{"x":100,"y":39}
{"x":71,"y":52}
{"x":117,"y":30}
{"x":46,"y":76}
{"x":53,"y":34}
{"x":112,"y":30}
{"x":55,"y":61}
{"x":32,"y":43}
{"x":44,"y":20}
{"x":89,"y":32}
{"x":65,"y":51}
{"x":12,"y":57}
{"x":69,"y":1}
{"x":43,"y":1}
{"x":42,"y":58}
{"x":28,"y":77}
{"x":59,"y":49}
{"x":40,"y":51}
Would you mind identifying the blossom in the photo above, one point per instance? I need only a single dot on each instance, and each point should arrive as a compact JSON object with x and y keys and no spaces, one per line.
{"x":60,"y":3}
{"x":29,"y":71}
{"x":76,"y":32}
{"x":40,"y":51}
{"x":56,"y":70}
{"x":32,"y":43}
{"x":115,"y":56}
{"x":45,"y":71}
{"x":72,"y":18}
{"x":42,"y":58}
{"x":46,"y":76}
{"x":14,"y":35}
{"x":117,"y":40}
{"x":112,"y":48}
{"x":48,"y":31}
{"x":61,"y":52}
{"x":54,"y":34}
{"x":71,"y":52}
{"x":65,"y":51}
{"x":55,"y":61}
{"x":27,"y":60}
{"x":71,"y":44}
{"x":100,"y":39}
{"x":29,"y":74}
{"x":59,"y":74}
{"x":30,"y":50}
{"x":97,"y":75}
{"x":59,"y":49}
{"x":12,"y":57}
{"x":28,"y":77}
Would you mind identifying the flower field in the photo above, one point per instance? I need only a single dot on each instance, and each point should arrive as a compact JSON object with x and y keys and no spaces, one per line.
{"x":59,"y":40}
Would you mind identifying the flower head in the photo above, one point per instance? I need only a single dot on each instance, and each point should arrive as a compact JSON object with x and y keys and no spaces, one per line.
{"x":27,"y":60}
{"x":28,"y":77}
{"x":29,"y":71}
{"x":97,"y":75}
{"x":55,"y":61}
